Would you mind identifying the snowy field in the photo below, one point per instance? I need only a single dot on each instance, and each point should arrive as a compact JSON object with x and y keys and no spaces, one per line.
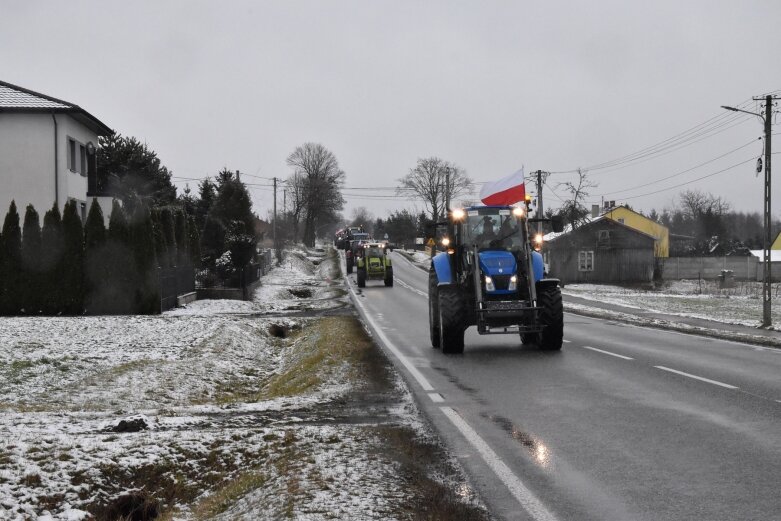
{"x":280,"y":407}
{"x":687,"y":298}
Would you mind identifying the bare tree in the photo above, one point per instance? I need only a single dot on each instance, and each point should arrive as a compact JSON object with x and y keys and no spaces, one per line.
{"x":321,"y":180}
{"x":695,"y":203}
{"x":574,"y":210}
{"x":427,"y":181}
{"x":363,"y":217}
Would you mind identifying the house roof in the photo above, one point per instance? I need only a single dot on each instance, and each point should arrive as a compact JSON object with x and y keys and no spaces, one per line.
{"x":18,"y":99}
{"x":597,"y":220}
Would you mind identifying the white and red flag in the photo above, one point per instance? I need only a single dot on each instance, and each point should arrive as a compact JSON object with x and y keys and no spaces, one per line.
{"x":505,"y":191}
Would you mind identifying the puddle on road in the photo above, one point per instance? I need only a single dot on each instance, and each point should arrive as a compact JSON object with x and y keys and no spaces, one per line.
{"x":539,"y":452}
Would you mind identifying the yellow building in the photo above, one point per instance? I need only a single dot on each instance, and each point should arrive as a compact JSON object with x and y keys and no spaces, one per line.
{"x":641,"y":223}
{"x":776,"y":243}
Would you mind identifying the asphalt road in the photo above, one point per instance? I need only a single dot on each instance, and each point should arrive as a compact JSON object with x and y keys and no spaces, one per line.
{"x":625,"y":423}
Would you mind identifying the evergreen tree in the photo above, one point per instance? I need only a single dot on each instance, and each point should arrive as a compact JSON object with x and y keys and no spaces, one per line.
{"x":194,"y":241}
{"x":169,"y":233}
{"x":71,"y":269}
{"x":12,"y":263}
{"x":51,"y":260}
{"x":31,"y":262}
{"x":128,"y":168}
{"x":207,"y":193}
{"x":212,"y":241}
{"x":118,"y":290}
{"x":182,"y":238}
{"x":161,"y":248}
{"x":233,"y":202}
{"x":147,"y":298}
{"x":96,"y":269}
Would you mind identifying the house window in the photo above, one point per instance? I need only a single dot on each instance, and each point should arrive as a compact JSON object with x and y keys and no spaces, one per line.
{"x":72,"y":155}
{"x":83,"y":160}
{"x":621,"y":221}
{"x":586,"y":261}
{"x":604,"y":235}
{"x":77,"y":157}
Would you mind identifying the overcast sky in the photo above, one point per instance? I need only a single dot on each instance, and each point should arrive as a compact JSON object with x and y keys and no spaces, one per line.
{"x":490,"y":86}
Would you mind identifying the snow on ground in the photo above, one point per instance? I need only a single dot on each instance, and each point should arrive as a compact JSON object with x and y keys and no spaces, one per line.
{"x":741,"y":305}
{"x":204,"y":406}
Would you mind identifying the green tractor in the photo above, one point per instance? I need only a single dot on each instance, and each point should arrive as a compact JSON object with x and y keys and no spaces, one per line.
{"x":373,"y":263}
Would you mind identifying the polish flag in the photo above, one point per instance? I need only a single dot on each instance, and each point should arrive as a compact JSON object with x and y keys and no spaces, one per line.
{"x":505,"y":191}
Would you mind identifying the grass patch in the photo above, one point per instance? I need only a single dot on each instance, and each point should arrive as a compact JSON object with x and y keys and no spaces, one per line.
{"x":429,"y":499}
{"x":332,"y":342}
{"x":222,"y":499}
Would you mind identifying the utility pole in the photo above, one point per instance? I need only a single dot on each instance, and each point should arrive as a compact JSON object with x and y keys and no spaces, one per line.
{"x":539,"y":213}
{"x":274,"y":226}
{"x":766,"y":273}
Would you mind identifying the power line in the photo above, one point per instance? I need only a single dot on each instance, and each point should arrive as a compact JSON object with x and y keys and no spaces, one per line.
{"x":682,"y":171}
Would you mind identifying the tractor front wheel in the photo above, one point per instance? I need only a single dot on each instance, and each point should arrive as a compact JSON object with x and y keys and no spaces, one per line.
{"x":361,"y":277}
{"x":349,"y":264}
{"x":433,"y":310}
{"x":551,"y":318}
{"x":452,"y":317}
{"x":389,"y":277}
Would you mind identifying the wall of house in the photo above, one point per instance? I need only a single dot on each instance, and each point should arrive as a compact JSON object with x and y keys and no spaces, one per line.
{"x":27,"y":173}
{"x":26,"y":162}
{"x":645,"y":225}
{"x":73,"y":185}
{"x":625,"y":257}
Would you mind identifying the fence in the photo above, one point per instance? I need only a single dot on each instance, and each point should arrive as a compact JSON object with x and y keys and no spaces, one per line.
{"x":743,"y":268}
{"x":174,"y":282}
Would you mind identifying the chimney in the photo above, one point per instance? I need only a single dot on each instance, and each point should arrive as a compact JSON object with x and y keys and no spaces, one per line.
{"x":594,"y":211}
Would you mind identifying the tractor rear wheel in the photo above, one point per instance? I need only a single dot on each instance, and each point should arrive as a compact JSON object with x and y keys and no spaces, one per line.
{"x":389,"y":276}
{"x":551,"y":318}
{"x":530,"y":338}
{"x":433,"y":309}
{"x":452,"y":317}
{"x":361,"y":277}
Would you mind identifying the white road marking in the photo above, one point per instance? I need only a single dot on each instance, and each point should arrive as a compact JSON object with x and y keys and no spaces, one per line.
{"x":566,"y":341}
{"x":407,"y":286}
{"x":436,"y":397}
{"x":714,"y":382}
{"x":523,"y":495}
{"x":416,"y":374}
{"x":608,"y":353}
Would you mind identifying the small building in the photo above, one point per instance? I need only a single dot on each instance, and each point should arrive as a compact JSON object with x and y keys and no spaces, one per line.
{"x":47,"y":152}
{"x":602,"y":251}
{"x":643,"y":224}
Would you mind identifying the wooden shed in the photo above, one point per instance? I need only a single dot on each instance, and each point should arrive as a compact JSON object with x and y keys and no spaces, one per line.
{"x":602,"y":251}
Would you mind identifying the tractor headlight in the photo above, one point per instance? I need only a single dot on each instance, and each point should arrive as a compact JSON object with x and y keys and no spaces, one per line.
{"x":538,"y":241}
{"x":458,"y":214}
{"x":513,"y":286}
{"x":518,"y":212}
{"x":445,"y":242}
{"x":489,"y":284}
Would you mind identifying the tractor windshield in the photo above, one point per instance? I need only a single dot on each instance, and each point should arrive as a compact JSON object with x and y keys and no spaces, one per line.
{"x":495,"y":228}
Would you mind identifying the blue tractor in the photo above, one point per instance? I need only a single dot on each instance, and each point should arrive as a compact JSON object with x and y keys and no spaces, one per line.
{"x":490,"y":276}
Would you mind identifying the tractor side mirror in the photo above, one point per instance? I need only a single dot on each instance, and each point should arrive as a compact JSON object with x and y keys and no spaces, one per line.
{"x":557,"y":224}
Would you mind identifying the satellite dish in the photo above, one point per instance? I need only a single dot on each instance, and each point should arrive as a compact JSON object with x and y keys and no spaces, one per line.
{"x":759,"y":165}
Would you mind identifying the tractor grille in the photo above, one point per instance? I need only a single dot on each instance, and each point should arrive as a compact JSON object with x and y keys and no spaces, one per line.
{"x":501,"y":282}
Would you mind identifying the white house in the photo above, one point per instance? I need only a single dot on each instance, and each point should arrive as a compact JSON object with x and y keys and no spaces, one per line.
{"x":47,"y":152}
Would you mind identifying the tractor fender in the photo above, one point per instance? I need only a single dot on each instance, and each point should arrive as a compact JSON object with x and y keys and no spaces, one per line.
{"x":538,"y":266}
{"x":546,"y":283}
{"x":359,"y":262}
{"x":441,"y":265}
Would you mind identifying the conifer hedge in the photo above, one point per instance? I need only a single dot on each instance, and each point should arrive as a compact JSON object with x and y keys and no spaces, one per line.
{"x":67,"y":268}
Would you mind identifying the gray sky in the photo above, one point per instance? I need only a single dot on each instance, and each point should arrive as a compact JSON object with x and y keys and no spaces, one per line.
{"x":490,"y":86}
